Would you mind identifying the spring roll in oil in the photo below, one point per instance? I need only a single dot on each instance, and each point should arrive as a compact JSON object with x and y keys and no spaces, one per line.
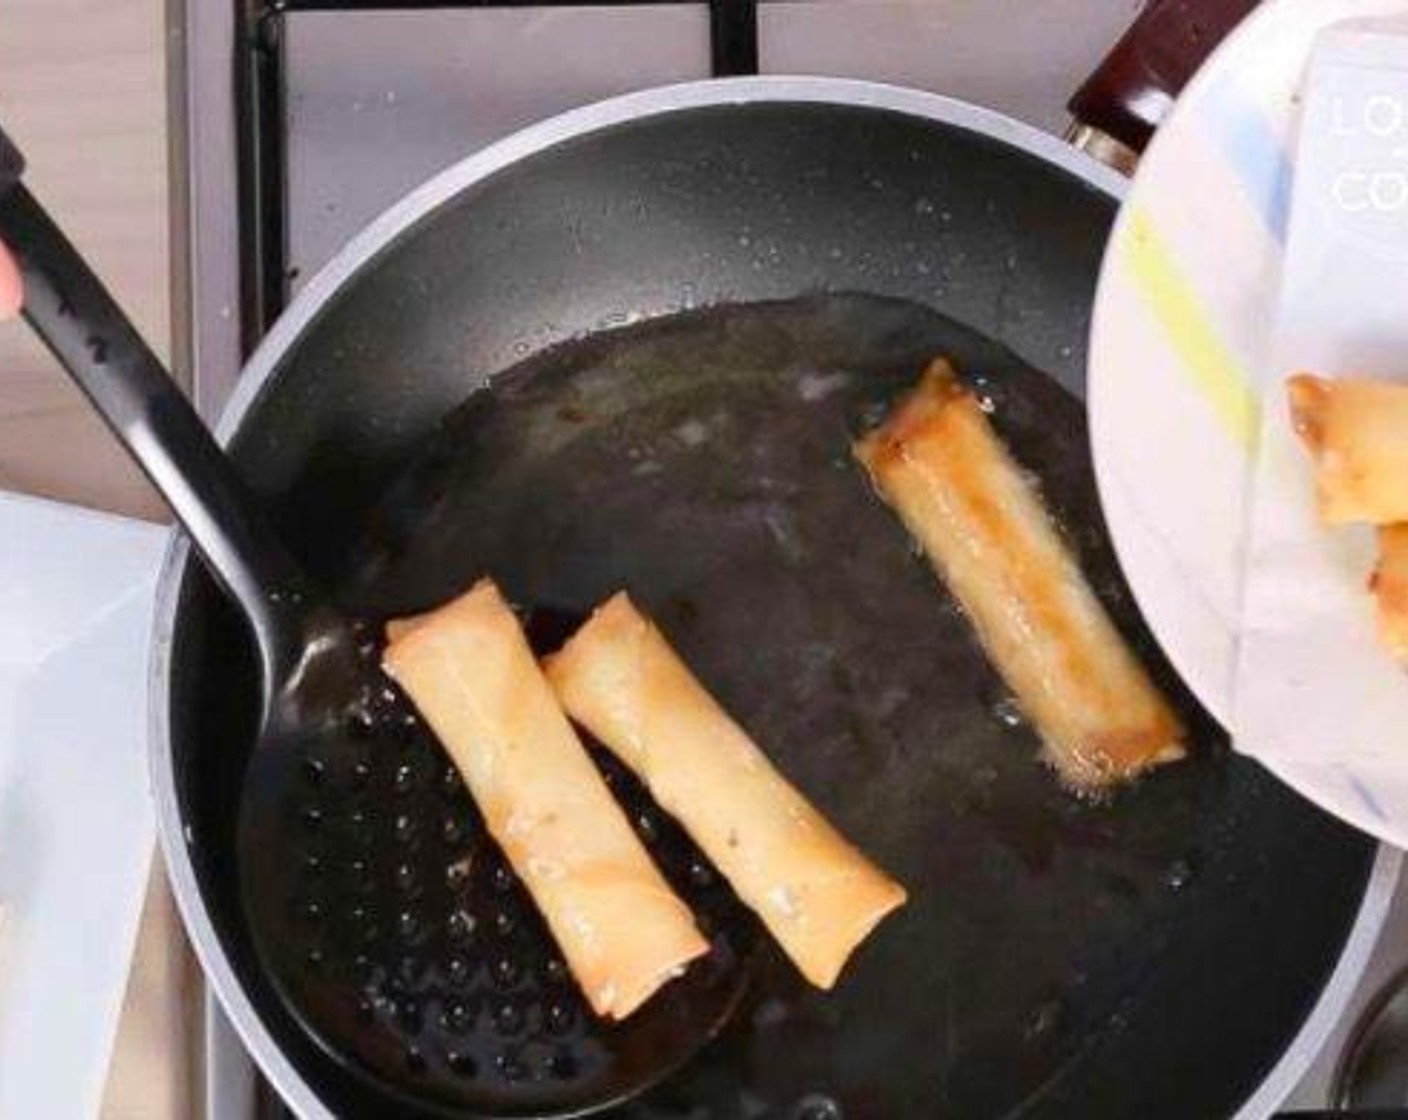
{"x":817,"y":895}
{"x":940,"y":465}
{"x":469,"y":670}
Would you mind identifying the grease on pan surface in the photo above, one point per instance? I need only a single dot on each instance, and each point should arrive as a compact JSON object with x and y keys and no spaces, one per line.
{"x":582,"y":471}
{"x":470,"y":671}
{"x":815,"y":892}
{"x":937,"y":461}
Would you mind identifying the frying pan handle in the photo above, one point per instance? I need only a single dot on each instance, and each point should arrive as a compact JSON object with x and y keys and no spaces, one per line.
{"x":69,"y":308}
{"x":1134,"y":87}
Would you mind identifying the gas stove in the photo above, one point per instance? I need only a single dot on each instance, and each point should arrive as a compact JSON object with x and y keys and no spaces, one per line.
{"x":301,"y":119}
{"x":296,"y":121}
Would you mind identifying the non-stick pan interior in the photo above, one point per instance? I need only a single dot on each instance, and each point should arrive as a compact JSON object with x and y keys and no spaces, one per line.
{"x":1152,"y":955}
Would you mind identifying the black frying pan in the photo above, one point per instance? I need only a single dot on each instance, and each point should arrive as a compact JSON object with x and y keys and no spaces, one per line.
{"x":459,"y":395}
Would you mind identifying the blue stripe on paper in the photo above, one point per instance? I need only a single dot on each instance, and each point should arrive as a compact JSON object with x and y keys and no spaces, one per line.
{"x":1250,"y":145}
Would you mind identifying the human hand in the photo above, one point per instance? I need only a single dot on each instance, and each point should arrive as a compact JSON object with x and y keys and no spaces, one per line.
{"x":11,"y":289}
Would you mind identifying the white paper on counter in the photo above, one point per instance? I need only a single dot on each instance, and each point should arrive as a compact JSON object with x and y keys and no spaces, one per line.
{"x":1315,"y":691}
{"x":76,"y":819}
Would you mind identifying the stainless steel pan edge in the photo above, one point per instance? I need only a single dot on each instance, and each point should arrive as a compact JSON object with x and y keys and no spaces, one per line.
{"x":382,"y":231}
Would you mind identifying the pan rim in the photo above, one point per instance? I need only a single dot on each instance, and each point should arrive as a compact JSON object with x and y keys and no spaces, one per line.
{"x":378,"y":235}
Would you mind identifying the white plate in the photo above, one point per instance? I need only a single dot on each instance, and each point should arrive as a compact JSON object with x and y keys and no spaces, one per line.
{"x":1186,"y":292}
{"x":76,"y":821}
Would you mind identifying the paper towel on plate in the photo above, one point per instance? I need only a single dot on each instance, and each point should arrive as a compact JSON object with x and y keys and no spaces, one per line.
{"x":76,"y":823}
{"x":1315,"y":693}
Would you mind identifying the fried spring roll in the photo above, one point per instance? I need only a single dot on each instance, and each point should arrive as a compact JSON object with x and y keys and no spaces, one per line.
{"x":817,"y":894}
{"x":940,"y":465}
{"x":1357,"y":430}
{"x":1389,"y":584}
{"x":398,"y":628}
{"x":472,"y":675}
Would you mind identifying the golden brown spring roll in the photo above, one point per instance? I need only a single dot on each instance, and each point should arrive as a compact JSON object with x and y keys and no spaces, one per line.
{"x":398,"y":628}
{"x":620,"y":679}
{"x":1389,"y":584}
{"x":939,"y":463}
{"x":472,"y":675}
{"x":1357,"y":430}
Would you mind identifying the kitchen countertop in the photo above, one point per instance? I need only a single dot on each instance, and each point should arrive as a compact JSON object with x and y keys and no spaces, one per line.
{"x":83,"y":91}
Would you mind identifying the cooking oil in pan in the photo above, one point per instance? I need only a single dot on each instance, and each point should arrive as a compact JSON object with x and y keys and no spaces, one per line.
{"x":702,"y":462}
